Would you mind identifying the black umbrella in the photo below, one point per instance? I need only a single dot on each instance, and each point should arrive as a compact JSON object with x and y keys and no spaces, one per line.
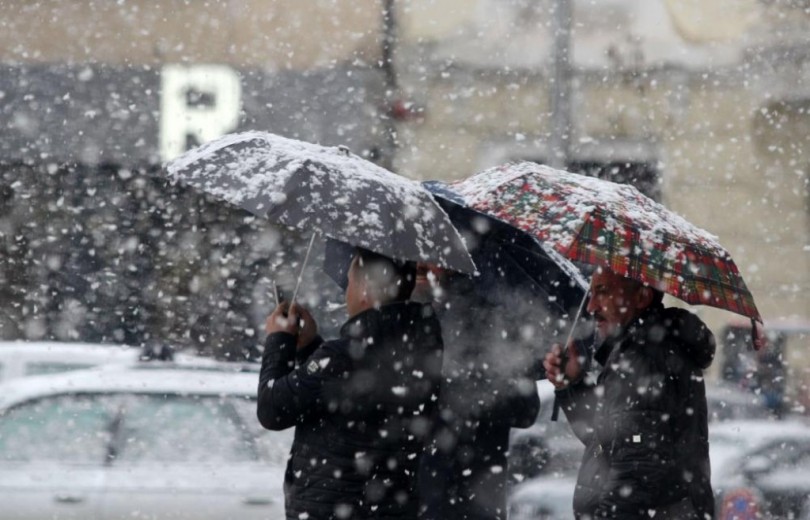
{"x":328,"y":190}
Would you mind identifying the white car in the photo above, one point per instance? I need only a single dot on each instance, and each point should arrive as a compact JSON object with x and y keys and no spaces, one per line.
{"x":760,"y":466}
{"x":144,"y":441}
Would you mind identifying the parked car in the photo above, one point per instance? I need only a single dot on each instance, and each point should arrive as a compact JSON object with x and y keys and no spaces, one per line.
{"x":761,"y":467}
{"x":31,"y":358}
{"x":139,"y":441}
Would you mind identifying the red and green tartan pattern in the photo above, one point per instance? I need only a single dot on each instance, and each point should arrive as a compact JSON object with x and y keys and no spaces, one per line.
{"x":602,"y":223}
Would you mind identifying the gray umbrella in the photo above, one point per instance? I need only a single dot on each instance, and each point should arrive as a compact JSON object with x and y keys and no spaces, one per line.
{"x":325,"y":189}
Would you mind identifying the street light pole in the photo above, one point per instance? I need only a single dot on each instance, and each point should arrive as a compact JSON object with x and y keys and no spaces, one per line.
{"x":560,"y":91}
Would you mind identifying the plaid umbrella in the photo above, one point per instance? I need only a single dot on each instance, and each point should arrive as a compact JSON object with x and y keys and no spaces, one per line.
{"x":613,"y":225}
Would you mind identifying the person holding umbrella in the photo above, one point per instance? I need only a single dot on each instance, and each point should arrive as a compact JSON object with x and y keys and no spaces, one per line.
{"x":359,"y":403}
{"x":644,"y":419}
{"x":488,"y":387}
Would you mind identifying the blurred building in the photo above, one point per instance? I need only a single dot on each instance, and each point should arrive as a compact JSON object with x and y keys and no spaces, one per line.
{"x":704,"y":104}
{"x":94,"y":98}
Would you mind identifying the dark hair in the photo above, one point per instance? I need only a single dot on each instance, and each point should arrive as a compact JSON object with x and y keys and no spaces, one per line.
{"x":404,"y":271}
{"x":658,"y":296}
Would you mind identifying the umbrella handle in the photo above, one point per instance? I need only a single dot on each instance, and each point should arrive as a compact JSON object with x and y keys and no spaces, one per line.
{"x":759,"y":339}
{"x":555,"y":412}
{"x":303,"y":266}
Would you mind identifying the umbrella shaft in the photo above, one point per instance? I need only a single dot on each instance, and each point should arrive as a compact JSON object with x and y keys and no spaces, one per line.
{"x":555,"y":411}
{"x":564,"y":355}
{"x":303,"y":266}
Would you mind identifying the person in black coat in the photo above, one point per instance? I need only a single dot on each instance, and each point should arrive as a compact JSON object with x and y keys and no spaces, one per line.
{"x":359,"y":404}
{"x":644,"y":421}
{"x":488,"y":388}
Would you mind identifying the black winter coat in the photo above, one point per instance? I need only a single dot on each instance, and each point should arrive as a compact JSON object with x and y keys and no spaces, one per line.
{"x":359,"y":406}
{"x":487,"y":389}
{"x":645,"y":421}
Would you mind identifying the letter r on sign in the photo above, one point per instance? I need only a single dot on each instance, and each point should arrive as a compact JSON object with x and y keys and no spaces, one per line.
{"x":198,"y":103}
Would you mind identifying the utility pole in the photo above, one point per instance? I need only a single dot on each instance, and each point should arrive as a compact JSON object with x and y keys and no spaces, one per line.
{"x":561,"y":128}
{"x":560,"y":141}
{"x":389,"y":41}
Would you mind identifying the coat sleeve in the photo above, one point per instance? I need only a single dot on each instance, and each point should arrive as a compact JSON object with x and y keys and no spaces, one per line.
{"x":290,"y":394}
{"x":578,"y":401}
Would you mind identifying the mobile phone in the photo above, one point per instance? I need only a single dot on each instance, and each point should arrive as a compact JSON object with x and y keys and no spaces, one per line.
{"x":278,"y":293}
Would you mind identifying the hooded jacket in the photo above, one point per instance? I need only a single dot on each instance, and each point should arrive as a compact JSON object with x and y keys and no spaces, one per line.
{"x":644,"y":421}
{"x":359,"y":405}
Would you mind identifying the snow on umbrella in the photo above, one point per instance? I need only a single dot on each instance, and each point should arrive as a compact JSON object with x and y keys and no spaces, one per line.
{"x":325,"y":189}
{"x":613,"y":225}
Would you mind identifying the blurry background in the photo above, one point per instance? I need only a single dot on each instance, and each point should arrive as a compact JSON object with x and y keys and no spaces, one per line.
{"x":702,"y":104}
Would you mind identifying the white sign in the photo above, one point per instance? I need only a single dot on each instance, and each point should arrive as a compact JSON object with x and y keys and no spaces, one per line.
{"x":198,"y":103}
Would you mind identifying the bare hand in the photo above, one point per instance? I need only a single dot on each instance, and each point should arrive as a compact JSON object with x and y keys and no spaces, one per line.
{"x":552,"y":363}
{"x":308,"y":327}
{"x":295,"y":320}
{"x":283,"y":319}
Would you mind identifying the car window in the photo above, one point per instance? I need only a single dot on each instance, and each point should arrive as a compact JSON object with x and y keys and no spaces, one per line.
{"x":273,"y":447}
{"x":180,"y":429}
{"x":784,"y":454}
{"x":66,"y":428}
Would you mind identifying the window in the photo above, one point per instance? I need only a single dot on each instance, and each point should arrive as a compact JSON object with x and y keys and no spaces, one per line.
{"x":67,"y":428}
{"x":156,"y":428}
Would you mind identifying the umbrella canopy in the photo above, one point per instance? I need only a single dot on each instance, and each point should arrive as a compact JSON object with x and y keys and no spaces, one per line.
{"x":325,"y":189}
{"x":613,"y":225}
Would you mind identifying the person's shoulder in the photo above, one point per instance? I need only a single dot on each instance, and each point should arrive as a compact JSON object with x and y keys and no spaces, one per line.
{"x":681,"y":316}
{"x":337,"y":346}
{"x":685,"y":325}
{"x":696,"y":339}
